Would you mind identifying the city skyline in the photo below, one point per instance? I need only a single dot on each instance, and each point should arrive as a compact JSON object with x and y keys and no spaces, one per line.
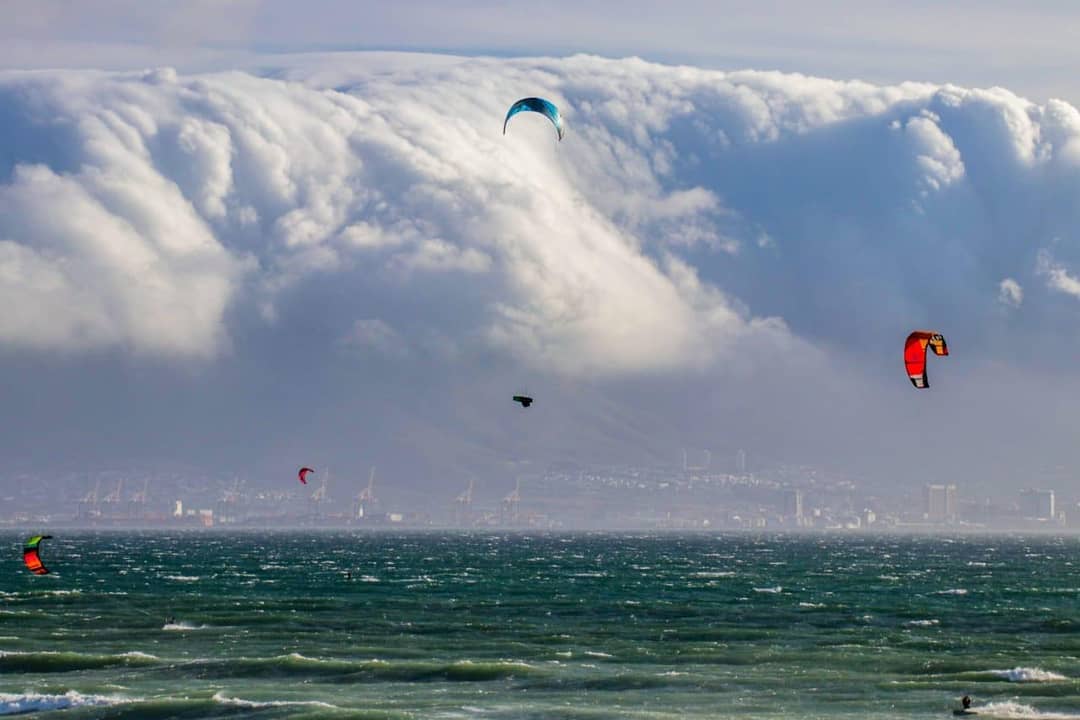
{"x":719,"y":496}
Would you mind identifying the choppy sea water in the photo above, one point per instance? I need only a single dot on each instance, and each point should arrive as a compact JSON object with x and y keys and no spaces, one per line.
{"x":497,"y":626}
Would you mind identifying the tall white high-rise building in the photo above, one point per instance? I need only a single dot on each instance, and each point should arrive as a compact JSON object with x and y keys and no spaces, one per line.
{"x":1038,"y":504}
{"x":939,"y":502}
{"x":793,"y":503}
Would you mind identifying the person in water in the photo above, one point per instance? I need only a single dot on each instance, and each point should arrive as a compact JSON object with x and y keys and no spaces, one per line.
{"x":966,"y":702}
{"x":170,"y":620}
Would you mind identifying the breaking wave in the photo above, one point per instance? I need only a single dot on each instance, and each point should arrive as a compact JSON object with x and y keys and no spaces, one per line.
{"x":1019,"y":711}
{"x":1028,"y":675}
{"x":220,"y":697}
{"x":54,"y":662}
{"x":18,"y":704}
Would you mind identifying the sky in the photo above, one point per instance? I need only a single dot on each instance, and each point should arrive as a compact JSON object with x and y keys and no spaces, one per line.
{"x":241,"y":237}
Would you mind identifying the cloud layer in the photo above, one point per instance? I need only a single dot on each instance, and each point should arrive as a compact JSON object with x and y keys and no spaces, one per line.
{"x":739,"y":229}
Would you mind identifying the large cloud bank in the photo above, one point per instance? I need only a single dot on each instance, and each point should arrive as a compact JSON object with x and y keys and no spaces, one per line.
{"x":691,"y":220}
{"x":138,"y":208}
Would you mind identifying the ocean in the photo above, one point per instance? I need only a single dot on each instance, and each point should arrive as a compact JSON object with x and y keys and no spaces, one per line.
{"x":530,"y":626}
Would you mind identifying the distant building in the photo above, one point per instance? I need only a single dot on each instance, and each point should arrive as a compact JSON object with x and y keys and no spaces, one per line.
{"x":793,"y":503}
{"x":1038,"y":504}
{"x":687,"y":467}
{"x":740,"y":461}
{"x":939,"y":502}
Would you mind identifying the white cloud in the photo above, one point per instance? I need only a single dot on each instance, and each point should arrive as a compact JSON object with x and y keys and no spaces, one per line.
{"x":1010,"y":293}
{"x":375,"y":334}
{"x":101,"y":258}
{"x":435,"y":255}
{"x":705,"y":254}
{"x":686,"y":213}
{"x":1057,"y":276}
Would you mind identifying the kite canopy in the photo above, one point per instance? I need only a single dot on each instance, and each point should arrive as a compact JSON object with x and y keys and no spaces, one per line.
{"x":540,"y":105}
{"x":304,"y":473}
{"x":31,"y":556}
{"x":525,"y":400}
{"x":915,"y":348}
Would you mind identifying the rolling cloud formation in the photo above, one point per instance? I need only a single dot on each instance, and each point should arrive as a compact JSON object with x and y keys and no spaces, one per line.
{"x":691,"y":221}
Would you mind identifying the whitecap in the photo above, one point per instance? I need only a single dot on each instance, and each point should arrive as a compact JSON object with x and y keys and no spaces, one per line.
{"x":183,"y":626}
{"x":220,"y":697}
{"x":15,"y":704}
{"x":1027,"y":674}
{"x":1019,"y":711}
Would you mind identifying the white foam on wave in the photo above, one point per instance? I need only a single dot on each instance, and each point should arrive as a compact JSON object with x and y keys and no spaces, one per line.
{"x":130,"y":655}
{"x":772,"y":590}
{"x":17,"y":704}
{"x":1019,"y":711}
{"x":183,"y":626}
{"x":297,"y":657}
{"x":220,"y":697}
{"x":952,"y":591}
{"x":1027,"y":674}
{"x":182,"y":578}
{"x":922,"y":623}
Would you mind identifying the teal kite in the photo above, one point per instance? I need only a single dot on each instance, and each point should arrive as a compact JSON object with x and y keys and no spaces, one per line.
{"x":540,"y":105}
